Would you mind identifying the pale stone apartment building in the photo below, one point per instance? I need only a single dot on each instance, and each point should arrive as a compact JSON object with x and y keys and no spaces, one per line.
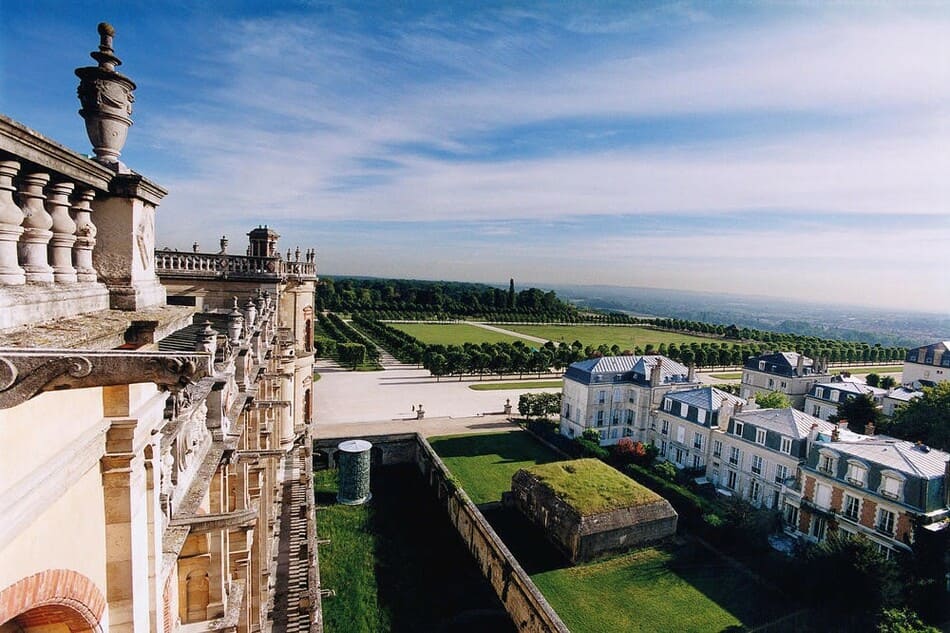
{"x":824,"y":398}
{"x":153,"y":457}
{"x":616,"y":394}
{"x":927,"y":365}
{"x":790,"y":373}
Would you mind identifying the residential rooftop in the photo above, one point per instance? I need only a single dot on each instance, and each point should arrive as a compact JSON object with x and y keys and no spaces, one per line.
{"x":708,"y":398}
{"x":906,"y":457}
{"x":592,"y":487}
{"x":631,"y":368}
{"x":790,"y":422}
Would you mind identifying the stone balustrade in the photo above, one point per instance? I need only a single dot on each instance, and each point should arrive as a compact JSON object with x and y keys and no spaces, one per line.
{"x":226,"y":266}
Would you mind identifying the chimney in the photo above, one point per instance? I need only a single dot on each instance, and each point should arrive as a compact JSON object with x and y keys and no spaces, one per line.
{"x":813,"y":433}
{"x":869,"y":428}
{"x":835,"y":434}
{"x":800,"y":366}
{"x":656,"y":372}
{"x":691,"y":375}
{"x":726,"y":411}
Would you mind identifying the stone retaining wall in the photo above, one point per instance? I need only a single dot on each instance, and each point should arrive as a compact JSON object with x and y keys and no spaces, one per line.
{"x":528,"y":609}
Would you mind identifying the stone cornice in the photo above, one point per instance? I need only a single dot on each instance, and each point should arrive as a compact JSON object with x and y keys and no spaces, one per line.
{"x":26,"y":144}
{"x":137,"y":186}
{"x":24,"y":373}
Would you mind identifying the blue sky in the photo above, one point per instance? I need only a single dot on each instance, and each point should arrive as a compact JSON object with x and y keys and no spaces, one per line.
{"x":782,"y":149}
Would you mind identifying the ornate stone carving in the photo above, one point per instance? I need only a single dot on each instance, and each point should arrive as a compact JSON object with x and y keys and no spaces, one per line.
{"x":26,"y":373}
{"x":145,"y":238}
{"x":10,"y":231}
{"x":106,"y":98}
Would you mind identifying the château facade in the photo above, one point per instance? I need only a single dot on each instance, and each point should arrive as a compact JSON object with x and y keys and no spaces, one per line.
{"x":154,"y":456}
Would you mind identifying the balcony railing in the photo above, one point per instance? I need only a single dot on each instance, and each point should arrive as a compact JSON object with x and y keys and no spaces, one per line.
{"x":222,"y":265}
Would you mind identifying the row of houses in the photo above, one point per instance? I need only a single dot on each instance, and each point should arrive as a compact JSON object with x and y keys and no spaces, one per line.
{"x":819,"y":475}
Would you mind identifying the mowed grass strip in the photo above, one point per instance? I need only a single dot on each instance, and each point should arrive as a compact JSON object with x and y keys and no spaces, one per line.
{"x":347,"y":562}
{"x":454,"y":334}
{"x":729,"y":375}
{"x":627,"y":337}
{"x":484,"y":463}
{"x":869,"y":369}
{"x":685,"y":588}
{"x":527,"y":384}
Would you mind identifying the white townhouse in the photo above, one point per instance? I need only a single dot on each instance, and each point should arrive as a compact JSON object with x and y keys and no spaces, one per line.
{"x":927,"y":365}
{"x":790,"y":373}
{"x":756,"y":457}
{"x":681,"y":428}
{"x":615,"y":394}
{"x":823,"y":398}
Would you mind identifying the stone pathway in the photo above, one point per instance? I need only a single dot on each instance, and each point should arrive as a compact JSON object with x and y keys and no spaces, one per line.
{"x":527,"y":337}
{"x":292,"y":583}
{"x":428,"y":427}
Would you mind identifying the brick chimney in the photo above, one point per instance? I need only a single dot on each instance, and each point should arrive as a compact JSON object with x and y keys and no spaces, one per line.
{"x":691,"y":375}
{"x":813,"y":433}
{"x":869,"y":428}
{"x":800,"y":366}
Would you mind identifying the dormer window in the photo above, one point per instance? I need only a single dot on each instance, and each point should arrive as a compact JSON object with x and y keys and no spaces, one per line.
{"x":857,"y":473}
{"x":819,"y":392}
{"x":684,"y":409}
{"x":738,"y":428}
{"x":786,"y":446}
{"x":701,"y":416}
{"x":760,"y":436}
{"x":892,"y":484}
{"x":834,"y":395}
{"x":828,"y":463}
{"x":761,"y":365}
{"x":667,"y":404}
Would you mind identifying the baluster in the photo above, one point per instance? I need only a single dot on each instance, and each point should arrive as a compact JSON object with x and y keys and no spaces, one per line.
{"x":85,"y":235}
{"x":36,"y":234}
{"x":11,"y":217}
{"x":64,"y":232}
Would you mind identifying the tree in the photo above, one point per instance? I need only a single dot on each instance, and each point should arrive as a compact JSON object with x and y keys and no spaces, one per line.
{"x":852,"y":571}
{"x":926,"y":418}
{"x":887,"y":382}
{"x":858,"y":411}
{"x":351,"y":354}
{"x":666,"y":470}
{"x":902,"y":621}
{"x":511,"y":295}
{"x":873,"y":380}
{"x":591,"y":435}
{"x":773,"y":400}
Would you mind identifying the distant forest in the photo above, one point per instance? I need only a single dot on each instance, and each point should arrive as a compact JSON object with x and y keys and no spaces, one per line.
{"x":400,"y":299}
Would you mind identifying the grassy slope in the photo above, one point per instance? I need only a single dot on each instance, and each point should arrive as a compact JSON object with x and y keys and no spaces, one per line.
{"x":684,"y":589}
{"x":624,"y":336}
{"x":453,"y":334}
{"x":484,"y":463}
{"x":591,"y":486}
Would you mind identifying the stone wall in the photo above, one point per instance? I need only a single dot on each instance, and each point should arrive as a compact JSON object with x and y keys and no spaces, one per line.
{"x":528,"y":609}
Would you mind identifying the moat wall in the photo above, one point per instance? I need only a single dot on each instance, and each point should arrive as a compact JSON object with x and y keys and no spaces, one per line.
{"x":528,"y":609}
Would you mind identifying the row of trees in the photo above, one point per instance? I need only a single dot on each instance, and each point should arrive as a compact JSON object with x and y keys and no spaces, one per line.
{"x":350,"y":347}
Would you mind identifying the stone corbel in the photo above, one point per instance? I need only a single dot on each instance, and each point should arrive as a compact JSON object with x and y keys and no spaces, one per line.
{"x":27,"y":373}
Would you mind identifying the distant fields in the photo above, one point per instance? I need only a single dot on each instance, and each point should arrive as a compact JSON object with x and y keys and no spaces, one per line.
{"x":627,"y":337}
{"x":484,"y":463}
{"x":453,"y":333}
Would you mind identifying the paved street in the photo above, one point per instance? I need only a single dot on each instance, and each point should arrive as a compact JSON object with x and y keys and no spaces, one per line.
{"x":386,"y":398}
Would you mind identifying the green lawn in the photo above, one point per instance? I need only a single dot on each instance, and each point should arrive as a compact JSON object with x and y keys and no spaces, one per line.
{"x":627,"y":337}
{"x":347,"y":562}
{"x":869,"y":369}
{"x":684,"y":588}
{"x":526,"y":384}
{"x":729,"y":375}
{"x":453,"y":333}
{"x":484,"y":463}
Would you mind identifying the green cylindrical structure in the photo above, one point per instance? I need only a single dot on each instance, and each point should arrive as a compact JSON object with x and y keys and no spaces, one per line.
{"x":354,"y":472}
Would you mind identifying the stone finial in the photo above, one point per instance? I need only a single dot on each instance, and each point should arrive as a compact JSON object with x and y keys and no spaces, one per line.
{"x":207,"y":339}
{"x":235,"y":324}
{"x":106,"y":98}
{"x":194,"y":247}
{"x":224,"y":244}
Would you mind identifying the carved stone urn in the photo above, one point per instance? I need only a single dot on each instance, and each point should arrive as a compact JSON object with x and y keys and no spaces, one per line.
{"x":106,"y":98}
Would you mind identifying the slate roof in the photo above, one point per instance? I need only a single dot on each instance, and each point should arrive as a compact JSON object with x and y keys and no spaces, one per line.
{"x":900,"y":455}
{"x":708,"y":398}
{"x":938,"y":350}
{"x":790,"y":422}
{"x":904,"y":394}
{"x":847,"y":386}
{"x":788,"y":359}
{"x":625,"y":369}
